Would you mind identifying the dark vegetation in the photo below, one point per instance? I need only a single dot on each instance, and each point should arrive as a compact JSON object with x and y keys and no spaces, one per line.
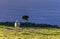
{"x":11,"y":24}
{"x":7,"y":24}
{"x":25,"y":17}
{"x":39,"y":25}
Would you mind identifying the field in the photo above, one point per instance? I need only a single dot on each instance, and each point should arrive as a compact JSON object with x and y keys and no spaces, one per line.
{"x":29,"y":33}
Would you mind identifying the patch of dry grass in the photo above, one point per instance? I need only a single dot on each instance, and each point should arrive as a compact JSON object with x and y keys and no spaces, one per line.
{"x":29,"y":33}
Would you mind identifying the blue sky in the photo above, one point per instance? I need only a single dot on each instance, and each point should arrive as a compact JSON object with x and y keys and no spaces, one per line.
{"x":39,"y":11}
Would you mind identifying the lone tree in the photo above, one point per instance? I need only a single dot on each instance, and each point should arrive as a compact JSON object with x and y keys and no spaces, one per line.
{"x":25,"y":17}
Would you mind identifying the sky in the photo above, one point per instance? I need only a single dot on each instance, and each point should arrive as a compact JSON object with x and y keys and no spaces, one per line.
{"x":39,"y":11}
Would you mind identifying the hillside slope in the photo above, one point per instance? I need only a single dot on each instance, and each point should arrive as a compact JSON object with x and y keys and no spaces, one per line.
{"x":29,"y":33}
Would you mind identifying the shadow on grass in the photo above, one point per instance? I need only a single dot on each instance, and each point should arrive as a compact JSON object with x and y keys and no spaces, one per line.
{"x":47,"y":34}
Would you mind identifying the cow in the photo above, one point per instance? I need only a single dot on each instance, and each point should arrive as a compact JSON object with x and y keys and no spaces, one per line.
{"x":17,"y":24}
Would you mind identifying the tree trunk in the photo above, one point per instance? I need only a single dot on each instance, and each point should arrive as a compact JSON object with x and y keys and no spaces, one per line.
{"x":26,"y":21}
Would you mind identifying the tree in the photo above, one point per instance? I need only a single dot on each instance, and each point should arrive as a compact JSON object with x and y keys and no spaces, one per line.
{"x":25,"y":17}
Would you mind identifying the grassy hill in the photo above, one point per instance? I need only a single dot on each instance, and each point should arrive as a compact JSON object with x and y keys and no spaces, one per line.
{"x":29,"y":31}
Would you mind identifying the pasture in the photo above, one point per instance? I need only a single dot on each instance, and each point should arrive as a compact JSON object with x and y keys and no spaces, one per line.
{"x":29,"y":33}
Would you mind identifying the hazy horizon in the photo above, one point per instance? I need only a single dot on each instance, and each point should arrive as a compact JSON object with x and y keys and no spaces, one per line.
{"x":39,"y":11}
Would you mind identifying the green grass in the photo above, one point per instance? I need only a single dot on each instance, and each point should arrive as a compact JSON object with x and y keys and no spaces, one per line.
{"x":29,"y":33}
